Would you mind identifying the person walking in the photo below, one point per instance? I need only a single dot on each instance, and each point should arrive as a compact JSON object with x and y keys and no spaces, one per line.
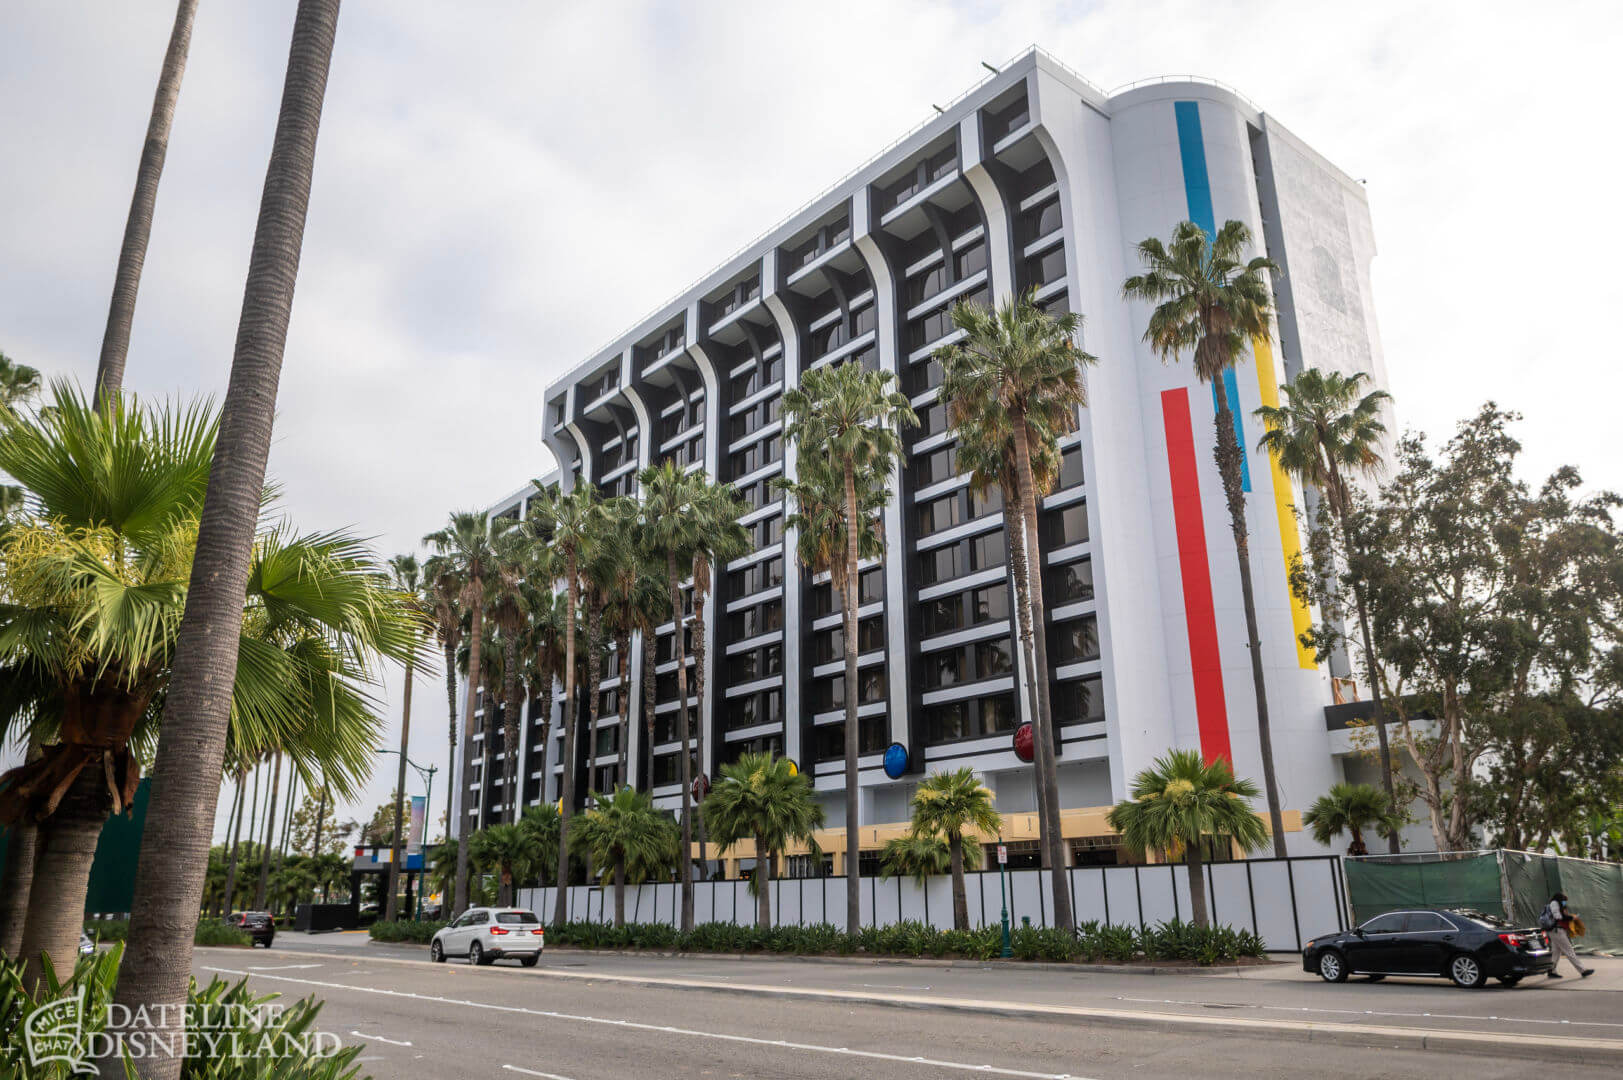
{"x":1556,"y":919}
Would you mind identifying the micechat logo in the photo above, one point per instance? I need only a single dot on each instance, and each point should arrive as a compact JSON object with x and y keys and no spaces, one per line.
{"x":54,"y":1033}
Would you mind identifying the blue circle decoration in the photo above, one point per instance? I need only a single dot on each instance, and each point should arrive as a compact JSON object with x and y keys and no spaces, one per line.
{"x":895,"y":760}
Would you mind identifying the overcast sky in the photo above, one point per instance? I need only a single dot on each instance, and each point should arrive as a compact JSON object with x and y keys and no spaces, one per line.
{"x":502,"y":187}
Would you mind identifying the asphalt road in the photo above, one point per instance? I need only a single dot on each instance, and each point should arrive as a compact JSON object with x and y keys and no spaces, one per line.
{"x":584,"y":1016}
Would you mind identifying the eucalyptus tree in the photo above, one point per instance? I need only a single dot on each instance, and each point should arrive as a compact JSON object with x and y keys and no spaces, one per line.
{"x":1210,"y":301}
{"x":844,"y":423}
{"x":570,"y":522}
{"x":766,"y":800}
{"x":465,"y":551}
{"x":667,"y":527}
{"x":1327,"y":428}
{"x":1177,"y":803}
{"x":1013,"y":385}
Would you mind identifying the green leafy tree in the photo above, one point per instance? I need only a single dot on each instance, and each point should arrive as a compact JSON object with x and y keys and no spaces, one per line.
{"x":919,"y":856}
{"x":1327,"y":430}
{"x":764,"y":799}
{"x":1351,"y":808}
{"x":19,"y":384}
{"x":623,"y":831}
{"x":510,"y":852}
{"x":317,"y":828}
{"x":541,"y":823}
{"x":845,"y":425}
{"x":1177,"y":804}
{"x":946,"y":804}
{"x":1013,"y":384}
{"x":1209,"y":302}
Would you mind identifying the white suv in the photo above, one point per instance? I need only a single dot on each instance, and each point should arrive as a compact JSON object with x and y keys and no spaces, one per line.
{"x":485,"y":935}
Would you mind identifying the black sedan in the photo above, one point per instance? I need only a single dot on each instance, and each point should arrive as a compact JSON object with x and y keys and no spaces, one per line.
{"x":1466,"y":946}
{"x":258,"y":925}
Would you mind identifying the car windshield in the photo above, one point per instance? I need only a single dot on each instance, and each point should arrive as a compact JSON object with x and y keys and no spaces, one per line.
{"x":1481,"y":918}
{"x":524,"y":918}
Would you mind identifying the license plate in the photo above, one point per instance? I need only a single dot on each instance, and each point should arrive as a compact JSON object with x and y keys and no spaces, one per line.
{"x":1538,"y":952}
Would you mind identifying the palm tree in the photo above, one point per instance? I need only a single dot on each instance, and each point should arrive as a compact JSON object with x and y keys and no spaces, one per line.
{"x":510,"y":851}
{"x":1325,"y":430}
{"x":545,"y":664}
{"x":95,"y":588}
{"x":624,"y":830}
{"x":613,"y":564}
{"x":1013,"y":384}
{"x":1210,"y":302}
{"x":407,"y":578}
{"x":636,"y":602}
{"x":921,"y":856}
{"x":540,"y":823}
{"x":115,"y":342}
{"x":19,"y":383}
{"x":157,"y":968}
{"x":442,"y":596}
{"x":844,"y":423}
{"x":569,"y":523}
{"x":945,"y":804}
{"x":261,"y":893}
{"x":466,"y":552}
{"x":667,"y":528}
{"x":763,"y":798}
{"x":520,"y":564}
{"x":1177,"y":803}
{"x":1352,"y":808}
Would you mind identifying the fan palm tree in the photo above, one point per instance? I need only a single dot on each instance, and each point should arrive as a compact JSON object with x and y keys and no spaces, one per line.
{"x":19,"y":383}
{"x":521,"y":563}
{"x":540,"y":823}
{"x":1352,"y":808}
{"x":94,"y":592}
{"x":765,"y":799}
{"x":920,"y":856}
{"x":407,"y":577}
{"x":945,"y":804}
{"x":465,"y":550}
{"x":613,"y":564}
{"x":1178,"y":802}
{"x":442,"y":598}
{"x":845,"y":425}
{"x":262,"y":893}
{"x":636,"y":602}
{"x":667,"y":528}
{"x":1327,"y":429}
{"x":621,"y":830}
{"x":1209,"y":301}
{"x":1013,"y":384}
{"x":544,"y":666}
{"x":157,"y":969}
{"x":570,"y":523}
{"x":510,"y":851}
{"x":115,"y":342}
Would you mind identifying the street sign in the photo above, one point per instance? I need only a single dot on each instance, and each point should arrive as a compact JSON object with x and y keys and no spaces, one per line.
{"x":1003,"y":854}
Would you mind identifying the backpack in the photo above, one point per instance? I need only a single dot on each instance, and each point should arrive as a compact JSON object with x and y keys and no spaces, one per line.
{"x":1547,"y":919}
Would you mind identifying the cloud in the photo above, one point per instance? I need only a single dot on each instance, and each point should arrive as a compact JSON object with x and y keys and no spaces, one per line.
{"x":502,"y":187}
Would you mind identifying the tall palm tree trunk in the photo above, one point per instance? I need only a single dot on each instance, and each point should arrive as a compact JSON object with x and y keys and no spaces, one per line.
{"x":270,"y":830}
{"x":619,"y":889}
{"x":234,"y":829}
{"x":622,"y":650}
{"x":544,"y":741}
{"x":698,"y":690}
{"x":475,"y":672}
{"x":452,"y":780}
{"x":763,"y":884}
{"x":489,"y":778}
{"x":186,"y":773}
{"x":1196,"y":859}
{"x":1015,"y":536}
{"x":253,"y":826}
{"x":391,"y":909}
{"x":1045,"y":736}
{"x":66,"y":850}
{"x":594,"y":681}
{"x":321,"y":819}
{"x":1228,"y":456}
{"x":512,"y":706}
{"x":560,"y":906}
{"x":650,"y":658}
{"x":960,"y":898}
{"x":21,"y":848}
{"x":853,"y":833}
{"x":115,"y":342}
{"x":684,"y":860}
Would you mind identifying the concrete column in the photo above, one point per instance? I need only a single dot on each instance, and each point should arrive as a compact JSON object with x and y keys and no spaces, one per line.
{"x":793,"y":691}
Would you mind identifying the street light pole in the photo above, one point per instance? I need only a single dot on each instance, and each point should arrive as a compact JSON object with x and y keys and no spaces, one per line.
{"x":398,"y":847}
{"x":1003,"y":892}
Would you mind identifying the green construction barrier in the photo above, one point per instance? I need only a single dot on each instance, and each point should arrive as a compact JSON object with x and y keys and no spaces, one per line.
{"x":1594,"y":892}
{"x":112,"y":875}
{"x":1470,"y":882}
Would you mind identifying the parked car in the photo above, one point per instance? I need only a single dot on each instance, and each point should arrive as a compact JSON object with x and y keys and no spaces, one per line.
{"x":256,"y":924}
{"x":1467,"y":946}
{"x":485,"y":935}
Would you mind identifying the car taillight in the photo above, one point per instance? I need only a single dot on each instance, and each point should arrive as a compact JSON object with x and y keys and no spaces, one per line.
{"x":1515,"y":941}
{"x":539,"y":933}
{"x":498,"y":930}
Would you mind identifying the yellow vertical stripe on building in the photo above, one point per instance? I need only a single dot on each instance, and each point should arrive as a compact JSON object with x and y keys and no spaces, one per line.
{"x":1290,"y":538}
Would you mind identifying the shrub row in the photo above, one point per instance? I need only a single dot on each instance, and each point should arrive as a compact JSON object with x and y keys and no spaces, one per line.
{"x":1174,"y":941}
{"x":209,"y":932}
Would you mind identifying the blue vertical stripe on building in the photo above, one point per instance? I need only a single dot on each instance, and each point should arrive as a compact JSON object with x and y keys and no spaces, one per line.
{"x":1197,"y":191}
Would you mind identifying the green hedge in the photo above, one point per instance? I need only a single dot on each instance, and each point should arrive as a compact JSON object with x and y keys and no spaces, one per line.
{"x":209,"y":932}
{"x":1175,"y":941}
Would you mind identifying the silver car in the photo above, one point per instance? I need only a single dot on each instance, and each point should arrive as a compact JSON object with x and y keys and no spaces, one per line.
{"x":485,"y":935}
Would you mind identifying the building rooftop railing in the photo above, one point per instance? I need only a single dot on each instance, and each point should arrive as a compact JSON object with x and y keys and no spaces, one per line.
{"x":1157,"y":80}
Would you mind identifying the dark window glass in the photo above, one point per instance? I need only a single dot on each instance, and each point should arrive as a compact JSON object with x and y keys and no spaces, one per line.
{"x":873,"y":734}
{"x":943,"y":615}
{"x":668,"y":768}
{"x":1071,"y":583}
{"x":989,"y":604}
{"x":998,"y":714}
{"x":1079,"y":702}
{"x":1047,"y":267}
{"x":947,"y":723}
{"x":932,"y":419}
{"x":992,"y":659}
{"x":1068,"y":525}
{"x":1039,"y":221}
{"x":985,"y":502}
{"x":939,"y":514}
{"x":608,"y":741}
{"x":943,"y":669}
{"x":934,"y":467}
{"x":864,"y":320}
{"x":733,"y":749}
{"x":1075,"y":641}
{"x":1058,"y":304}
{"x":942,"y":564}
{"x":987,"y":551}
{"x":970,"y":260}
{"x":922,"y":376}
{"x":1070,"y":467}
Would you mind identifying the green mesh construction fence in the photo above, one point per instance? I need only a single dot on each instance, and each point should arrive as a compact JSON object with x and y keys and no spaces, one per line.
{"x":1489,"y":881}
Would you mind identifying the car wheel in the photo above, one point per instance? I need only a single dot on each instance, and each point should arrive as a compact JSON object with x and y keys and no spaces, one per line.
{"x":1509,"y":980}
{"x":1332,"y":966}
{"x":1466,"y":972}
{"x":530,"y":961}
{"x":436,"y":952}
{"x":476,"y":954}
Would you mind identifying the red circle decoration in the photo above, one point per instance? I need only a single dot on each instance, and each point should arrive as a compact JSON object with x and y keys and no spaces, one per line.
{"x":701,"y":786}
{"x":1024,"y":748}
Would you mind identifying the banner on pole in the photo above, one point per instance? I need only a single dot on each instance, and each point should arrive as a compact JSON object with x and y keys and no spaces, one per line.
{"x":419,"y":814}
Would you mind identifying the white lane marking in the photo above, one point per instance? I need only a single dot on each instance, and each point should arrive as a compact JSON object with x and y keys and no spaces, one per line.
{"x":372,"y":1057}
{"x":874,"y":1055}
{"x":1371,"y":1012}
{"x":893,"y":986}
{"x":285,"y":967}
{"x":532,"y":1072}
{"x":379,"y":1038}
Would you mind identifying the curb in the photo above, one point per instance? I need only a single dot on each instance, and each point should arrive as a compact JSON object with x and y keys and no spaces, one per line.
{"x":1531,"y":1047}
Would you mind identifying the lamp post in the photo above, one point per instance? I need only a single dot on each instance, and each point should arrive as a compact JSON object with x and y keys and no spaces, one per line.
{"x":1003,"y":892}
{"x":427,"y":775}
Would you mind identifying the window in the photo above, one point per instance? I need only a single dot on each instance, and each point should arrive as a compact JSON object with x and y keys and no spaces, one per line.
{"x":1070,"y":467}
{"x":939,"y":514}
{"x":829,"y":645}
{"x":757,"y":456}
{"x":767,"y":531}
{"x":989,"y":604}
{"x":992,"y":658}
{"x":1065,"y":526}
{"x":926,"y":283}
{"x":1071,"y":583}
{"x":828,"y":740}
{"x":755,"y":664}
{"x":1391,"y":923}
{"x":863,"y":320}
{"x":870,"y":590}
{"x":1077,"y":641}
{"x":941,"y":564}
{"x":919,"y":377}
{"x":932,"y":419}
{"x":970,"y":260}
{"x":732,"y":750}
{"x":517,"y":918}
{"x":668,"y":768}
{"x":1046,"y":268}
{"x":1056,"y":305}
{"x":1081,"y":701}
{"x":972,"y":719}
{"x":934,"y":467}
{"x":987,"y":551}
{"x":755,"y":620}
{"x":985,"y":502}
{"x":766,"y":574}
{"x":765,"y":707}
{"x":1039,"y":221}
{"x":608,"y":741}
{"x":1426,"y":922}
{"x":1001,"y":123}
{"x":829,"y":694}
{"x":942,"y":615}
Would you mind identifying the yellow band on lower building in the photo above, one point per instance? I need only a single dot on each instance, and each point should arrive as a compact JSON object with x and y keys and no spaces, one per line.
{"x":1290,"y":537}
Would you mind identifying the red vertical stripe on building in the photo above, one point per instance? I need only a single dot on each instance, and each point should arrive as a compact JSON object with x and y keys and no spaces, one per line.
{"x":1211,"y":713}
